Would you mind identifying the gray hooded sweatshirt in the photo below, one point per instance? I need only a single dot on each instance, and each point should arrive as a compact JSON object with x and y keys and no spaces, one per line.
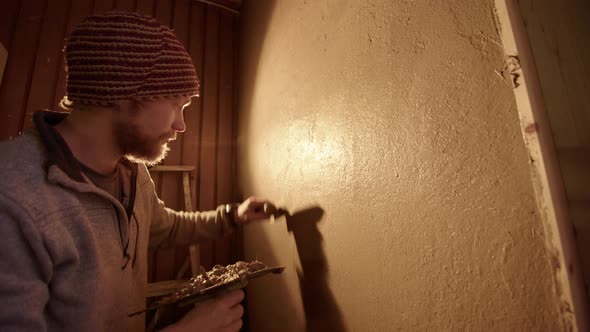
{"x":73,"y":258}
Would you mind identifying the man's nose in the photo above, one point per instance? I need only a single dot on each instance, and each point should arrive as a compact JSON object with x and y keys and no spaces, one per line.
{"x":179,"y":126}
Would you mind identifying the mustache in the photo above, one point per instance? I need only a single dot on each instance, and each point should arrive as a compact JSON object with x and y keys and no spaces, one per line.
{"x":168,"y":137}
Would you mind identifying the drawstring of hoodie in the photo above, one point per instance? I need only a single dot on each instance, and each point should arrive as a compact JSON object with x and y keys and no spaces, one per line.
{"x":126,"y":255}
{"x":130,"y":215}
{"x":123,"y":246}
{"x":136,"y":240}
{"x":126,"y":247}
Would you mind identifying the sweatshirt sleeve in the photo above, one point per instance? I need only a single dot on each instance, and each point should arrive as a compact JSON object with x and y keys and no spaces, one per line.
{"x":23,"y":292}
{"x":170,"y":227}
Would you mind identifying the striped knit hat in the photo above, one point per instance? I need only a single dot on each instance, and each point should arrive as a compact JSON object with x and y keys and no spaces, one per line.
{"x":126,"y":56}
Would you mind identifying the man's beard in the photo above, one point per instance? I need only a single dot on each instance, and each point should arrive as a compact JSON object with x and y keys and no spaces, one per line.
{"x":140,"y":148}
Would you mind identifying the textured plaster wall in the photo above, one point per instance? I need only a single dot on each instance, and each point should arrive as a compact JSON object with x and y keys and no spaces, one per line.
{"x":386,"y":128}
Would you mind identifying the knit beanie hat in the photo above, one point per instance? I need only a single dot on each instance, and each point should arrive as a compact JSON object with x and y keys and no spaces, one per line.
{"x":126,"y":56}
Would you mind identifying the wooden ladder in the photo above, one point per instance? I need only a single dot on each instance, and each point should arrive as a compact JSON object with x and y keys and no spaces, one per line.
{"x":164,"y":287}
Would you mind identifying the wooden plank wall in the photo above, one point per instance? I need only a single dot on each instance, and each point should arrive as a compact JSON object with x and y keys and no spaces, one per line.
{"x":33,"y":32}
{"x":558,"y":32}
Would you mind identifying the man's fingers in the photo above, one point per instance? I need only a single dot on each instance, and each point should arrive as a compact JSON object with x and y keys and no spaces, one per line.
{"x":258,"y":216}
{"x":201,"y":306}
{"x":256,"y":200}
{"x":256,"y":206}
{"x":232,"y":298}
{"x":235,"y":313}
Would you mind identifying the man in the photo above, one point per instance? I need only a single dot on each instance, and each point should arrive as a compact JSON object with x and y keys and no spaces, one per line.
{"x":78,"y":209}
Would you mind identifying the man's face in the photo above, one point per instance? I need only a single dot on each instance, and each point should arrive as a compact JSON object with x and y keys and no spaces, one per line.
{"x":143,"y":131}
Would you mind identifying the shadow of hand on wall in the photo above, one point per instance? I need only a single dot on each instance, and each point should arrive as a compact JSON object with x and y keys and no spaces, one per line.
{"x":321,"y":311}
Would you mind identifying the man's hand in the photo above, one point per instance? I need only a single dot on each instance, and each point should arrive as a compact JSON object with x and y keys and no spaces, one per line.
{"x":223,"y":314}
{"x":252,"y":209}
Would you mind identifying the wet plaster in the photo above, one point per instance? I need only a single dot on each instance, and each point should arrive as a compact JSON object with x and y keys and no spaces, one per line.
{"x":397,"y":120}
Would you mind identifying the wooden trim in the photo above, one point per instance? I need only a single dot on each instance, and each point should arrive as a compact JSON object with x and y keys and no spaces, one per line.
{"x":225,"y":142}
{"x":3,"y":59}
{"x":208,"y":140}
{"x":103,"y":6}
{"x":547,"y":181}
{"x":45,"y":69}
{"x":172,"y":169}
{"x":125,"y":5}
{"x":19,"y":67}
{"x":231,"y":10}
{"x":145,"y":7}
{"x":8,"y":21}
